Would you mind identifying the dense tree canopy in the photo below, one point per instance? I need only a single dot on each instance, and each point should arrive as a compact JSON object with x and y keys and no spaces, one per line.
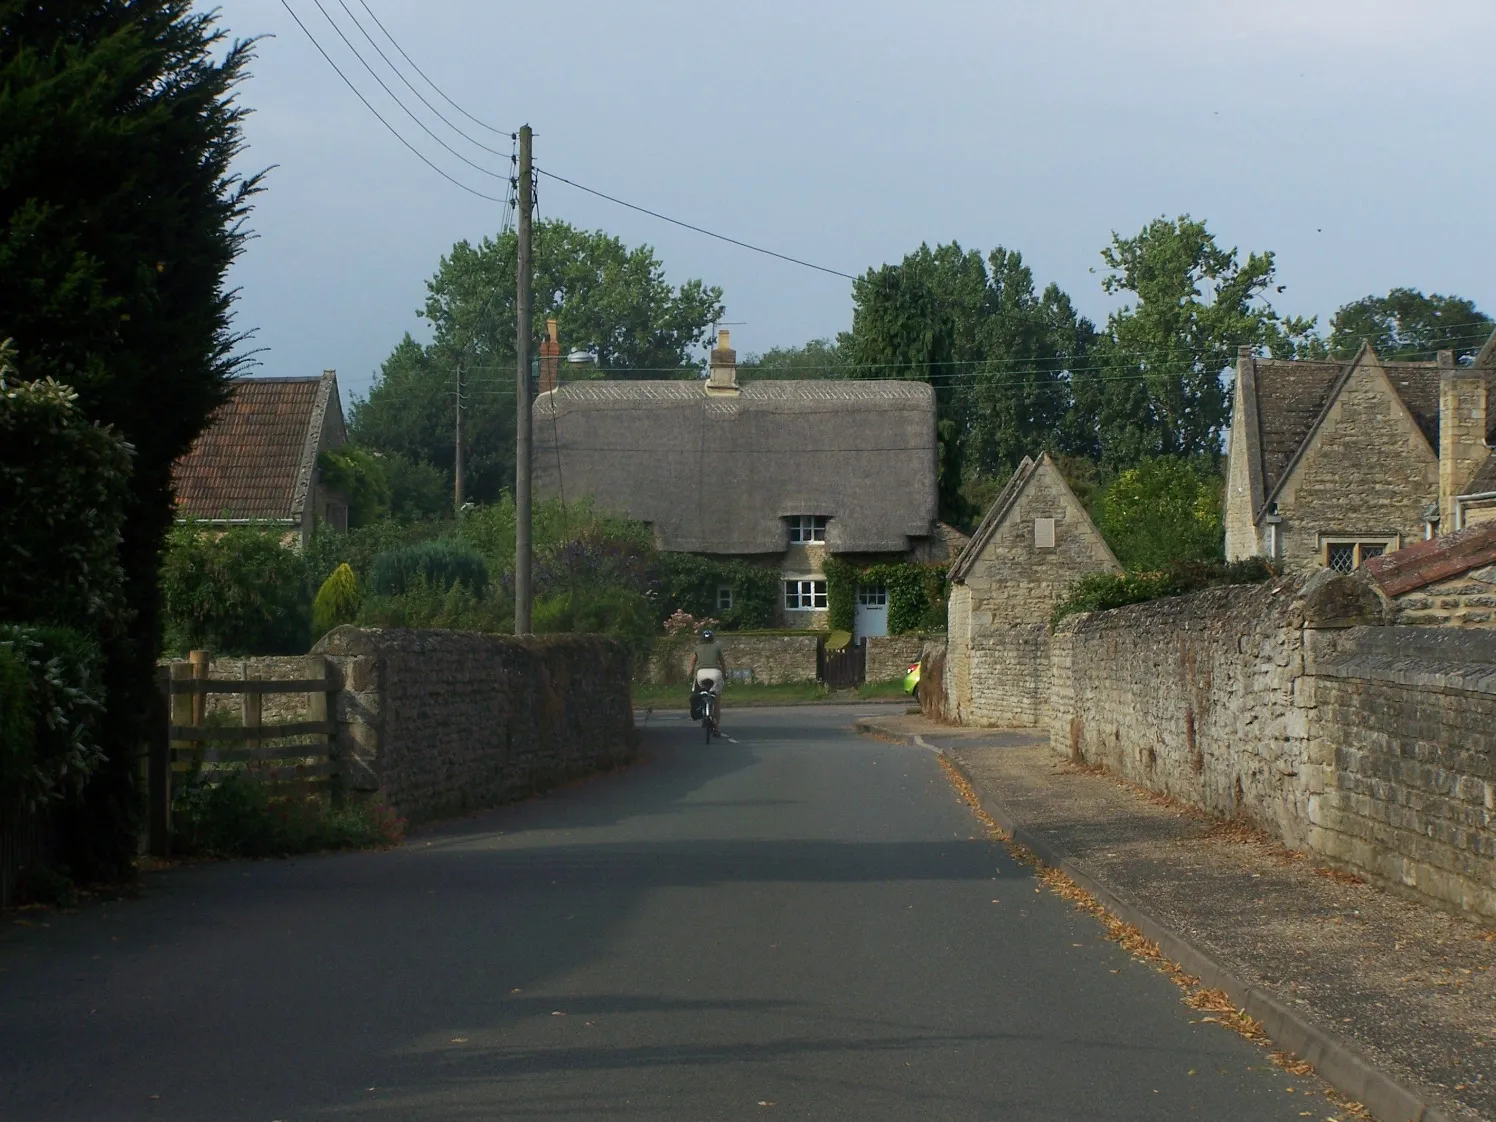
{"x":119,"y":217}
{"x":1406,"y":324}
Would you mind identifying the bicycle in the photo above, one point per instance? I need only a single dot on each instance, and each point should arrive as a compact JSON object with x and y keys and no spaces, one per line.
{"x":708,"y":709}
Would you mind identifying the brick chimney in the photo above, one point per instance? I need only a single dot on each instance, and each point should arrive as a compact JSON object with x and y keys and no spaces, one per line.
{"x":1462,"y":434}
{"x":550,"y":355}
{"x":722,"y":369}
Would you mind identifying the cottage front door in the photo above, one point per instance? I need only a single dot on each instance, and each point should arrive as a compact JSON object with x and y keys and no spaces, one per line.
{"x":872,"y":611}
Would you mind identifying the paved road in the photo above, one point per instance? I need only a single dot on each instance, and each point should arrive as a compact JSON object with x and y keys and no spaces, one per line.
{"x":802,"y":924}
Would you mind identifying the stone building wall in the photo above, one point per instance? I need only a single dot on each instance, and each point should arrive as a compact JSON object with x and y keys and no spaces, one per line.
{"x":1368,"y":471}
{"x":1241,"y":531}
{"x":445,"y":722}
{"x":766,"y":659}
{"x":889,"y":656}
{"x":1465,"y":600}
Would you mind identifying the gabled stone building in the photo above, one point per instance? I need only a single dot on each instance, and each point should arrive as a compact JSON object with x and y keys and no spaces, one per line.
{"x":1035,"y":541}
{"x":257,"y":460}
{"x":1334,"y":463}
{"x":782,"y":473}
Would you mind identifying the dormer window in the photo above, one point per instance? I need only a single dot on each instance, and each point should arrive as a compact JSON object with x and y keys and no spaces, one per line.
{"x":807,"y":528}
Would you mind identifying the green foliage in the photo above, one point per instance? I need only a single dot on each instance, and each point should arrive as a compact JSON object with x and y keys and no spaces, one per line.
{"x":621,"y":613}
{"x":418,"y":491}
{"x":490,"y":530}
{"x":611,"y":300}
{"x":689,"y":583}
{"x":17,"y":720}
{"x":337,"y":601}
{"x":243,"y":817}
{"x":361,"y":477}
{"x":439,"y":564}
{"x":1101,"y":591}
{"x":240,"y":592}
{"x":358,"y":548}
{"x":457,"y":608}
{"x":1406,"y":324}
{"x":1161,"y":511}
{"x":1156,"y":387}
{"x":819,"y":358}
{"x":66,"y":698}
{"x":120,"y":214}
{"x":916,"y":594}
{"x":65,"y":481}
{"x":842,"y":578}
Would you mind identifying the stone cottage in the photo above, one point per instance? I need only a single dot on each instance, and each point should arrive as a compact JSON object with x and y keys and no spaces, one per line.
{"x":1448,"y":581}
{"x":257,"y":460}
{"x":782,"y":473}
{"x":1035,"y":541}
{"x":1334,"y":463}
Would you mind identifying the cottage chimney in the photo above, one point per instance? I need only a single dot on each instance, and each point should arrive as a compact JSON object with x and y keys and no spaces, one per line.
{"x":550,"y":357}
{"x":1462,"y":434}
{"x":722,"y":370}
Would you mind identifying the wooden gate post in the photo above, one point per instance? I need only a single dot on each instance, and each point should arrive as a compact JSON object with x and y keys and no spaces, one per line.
{"x":317,"y":709}
{"x":163,"y":756}
{"x":200,"y":662}
{"x":250,"y":706}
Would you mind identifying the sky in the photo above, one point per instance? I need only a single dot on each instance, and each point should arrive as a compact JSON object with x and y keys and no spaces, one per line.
{"x":1346,"y":136}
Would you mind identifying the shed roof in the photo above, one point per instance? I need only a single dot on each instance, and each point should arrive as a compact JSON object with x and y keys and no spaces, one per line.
{"x":257,"y":457}
{"x":718,"y":473}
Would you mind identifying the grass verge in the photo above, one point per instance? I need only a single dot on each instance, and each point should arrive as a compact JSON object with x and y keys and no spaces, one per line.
{"x":243,"y":817}
{"x":872,"y":691}
{"x":648,"y":695}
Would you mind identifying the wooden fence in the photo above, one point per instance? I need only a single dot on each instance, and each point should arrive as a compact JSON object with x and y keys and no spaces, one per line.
{"x":294,"y":757}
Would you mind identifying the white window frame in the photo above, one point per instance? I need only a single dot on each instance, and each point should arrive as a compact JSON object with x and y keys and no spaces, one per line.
{"x":1386,"y":542}
{"x":807,"y":529}
{"x":724,"y":598}
{"x":816,"y":594}
{"x":872,"y":596}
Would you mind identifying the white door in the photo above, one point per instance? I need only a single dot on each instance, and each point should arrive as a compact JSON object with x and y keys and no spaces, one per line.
{"x":872,"y":611}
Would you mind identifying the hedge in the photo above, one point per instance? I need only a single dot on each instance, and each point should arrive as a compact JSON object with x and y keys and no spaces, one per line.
{"x":240,"y":592}
{"x":441,"y":564}
{"x":65,"y":698}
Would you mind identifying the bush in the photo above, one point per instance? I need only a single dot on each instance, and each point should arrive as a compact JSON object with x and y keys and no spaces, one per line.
{"x":244,"y":817}
{"x":418,"y":491}
{"x":337,"y":601}
{"x":66,"y":699}
{"x":359,"y":547}
{"x":1102,"y":591}
{"x":17,"y":718}
{"x":240,"y":592}
{"x":689,"y":583}
{"x":453,"y":609}
{"x":1163,"y":511}
{"x":64,"y":482}
{"x":617,"y":612}
{"x":442,"y":564}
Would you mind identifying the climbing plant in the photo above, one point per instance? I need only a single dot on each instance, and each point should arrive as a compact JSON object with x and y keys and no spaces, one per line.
{"x":916,"y":593}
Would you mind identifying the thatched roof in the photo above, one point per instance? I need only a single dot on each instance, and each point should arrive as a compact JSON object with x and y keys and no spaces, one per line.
{"x":719,"y":473}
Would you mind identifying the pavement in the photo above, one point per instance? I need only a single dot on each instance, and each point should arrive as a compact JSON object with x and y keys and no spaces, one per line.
{"x":795,"y":922}
{"x":1393,"y":1000}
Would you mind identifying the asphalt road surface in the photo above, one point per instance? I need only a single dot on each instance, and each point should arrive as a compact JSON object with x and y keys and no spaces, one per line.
{"x":803,"y":923}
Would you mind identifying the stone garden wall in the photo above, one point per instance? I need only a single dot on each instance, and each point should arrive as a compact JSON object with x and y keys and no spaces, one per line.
{"x":766,"y":659}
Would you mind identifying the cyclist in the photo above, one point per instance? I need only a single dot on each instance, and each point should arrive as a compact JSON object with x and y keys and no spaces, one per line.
{"x":707,"y":662}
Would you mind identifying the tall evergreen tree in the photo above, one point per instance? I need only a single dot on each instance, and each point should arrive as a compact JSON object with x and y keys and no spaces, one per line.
{"x":119,"y":218}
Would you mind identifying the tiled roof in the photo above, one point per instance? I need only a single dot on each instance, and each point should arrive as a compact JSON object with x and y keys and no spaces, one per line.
{"x":257,"y":454}
{"x":1425,"y":562}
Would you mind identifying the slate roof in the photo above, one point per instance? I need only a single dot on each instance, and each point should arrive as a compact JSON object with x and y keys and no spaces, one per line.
{"x":258,"y":457}
{"x":1436,"y":559}
{"x":1484,"y":480}
{"x":719,"y":473}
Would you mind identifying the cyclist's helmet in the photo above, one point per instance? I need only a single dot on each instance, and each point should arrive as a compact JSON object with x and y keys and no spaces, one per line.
{"x":708,"y":635}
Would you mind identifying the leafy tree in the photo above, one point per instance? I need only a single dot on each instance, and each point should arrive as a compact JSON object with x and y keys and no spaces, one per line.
{"x":819,"y":358}
{"x":119,"y":217}
{"x":1163,"y":511}
{"x":1156,"y":386}
{"x":242,"y":592}
{"x":609,"y":299}
{"x":417,"y":490}
{"x":361,"y":477}
{"x":1406,"y":324}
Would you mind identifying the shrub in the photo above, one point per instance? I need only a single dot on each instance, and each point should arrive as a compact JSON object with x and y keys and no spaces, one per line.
{"x":1163,"y":511}
{"x":240,"y":592}
{"x":64,"y":482}
{"x":617,"y":612}
{"x":17,"y":717}
{"x":440,"y":564}
{"x":1102,"y":591}
{"x":337,"y":601}
{"x":359,"y":547}
{"x":66,"y":699}
{"x":244,"y":817}
{"x":452,"y":609}
{"x":689,"y":583}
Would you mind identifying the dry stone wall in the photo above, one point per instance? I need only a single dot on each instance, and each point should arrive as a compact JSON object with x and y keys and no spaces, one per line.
{"x":766,"y":659}
{"x":444,"y":722}
{"x":889,"y":656}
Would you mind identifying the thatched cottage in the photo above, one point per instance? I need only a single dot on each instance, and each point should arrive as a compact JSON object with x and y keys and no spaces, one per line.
{"x":257,"y":460}
{"x":1334,"y":463}
{"x":783,"y":473}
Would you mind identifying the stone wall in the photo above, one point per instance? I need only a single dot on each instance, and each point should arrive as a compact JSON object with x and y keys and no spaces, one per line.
{"x":274,"y":707}
{"x":1465,"y":600}
{"x":889,"y":656}
{"x":444,"y":722}
{"x":766,"y":659}
{"x":1290,"y":705}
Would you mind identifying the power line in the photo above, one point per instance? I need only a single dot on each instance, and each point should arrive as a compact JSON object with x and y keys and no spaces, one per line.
{"x":502,"y":132}
{"x":697,"y":229}
{"x":408,"y":112}
{"x":421,"y":97}
{"x":393,"y":131}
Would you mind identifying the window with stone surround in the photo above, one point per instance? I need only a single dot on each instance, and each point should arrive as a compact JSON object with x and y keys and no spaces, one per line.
{"x":807,"y":528}
{"x":1348,"y":554}
{"x":805,"y":595}
{"x":724,"y":597}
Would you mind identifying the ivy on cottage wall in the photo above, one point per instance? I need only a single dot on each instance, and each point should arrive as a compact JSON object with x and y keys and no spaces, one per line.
{"x":916,"y":594}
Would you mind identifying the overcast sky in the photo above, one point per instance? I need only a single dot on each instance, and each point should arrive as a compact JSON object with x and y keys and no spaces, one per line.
{"x":1351,"y":137}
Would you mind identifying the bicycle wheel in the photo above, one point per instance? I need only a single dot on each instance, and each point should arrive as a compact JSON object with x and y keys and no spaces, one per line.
{"x":707,"y":720}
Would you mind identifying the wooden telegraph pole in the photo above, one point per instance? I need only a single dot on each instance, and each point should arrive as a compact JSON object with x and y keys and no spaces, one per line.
{"x":457,"y":496}
{"x":525,"y":281}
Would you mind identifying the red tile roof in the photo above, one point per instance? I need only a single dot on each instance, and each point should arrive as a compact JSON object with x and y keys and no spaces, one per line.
{"x":251,"y":461}
{"x":1433,"y":560}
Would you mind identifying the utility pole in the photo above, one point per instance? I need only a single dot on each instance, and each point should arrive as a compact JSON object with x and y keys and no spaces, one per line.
{"x":457,"y":459}
{"x":525,"y":280}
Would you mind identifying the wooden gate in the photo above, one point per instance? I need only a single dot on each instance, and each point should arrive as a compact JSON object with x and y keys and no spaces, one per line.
{"x":845,"y":669}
